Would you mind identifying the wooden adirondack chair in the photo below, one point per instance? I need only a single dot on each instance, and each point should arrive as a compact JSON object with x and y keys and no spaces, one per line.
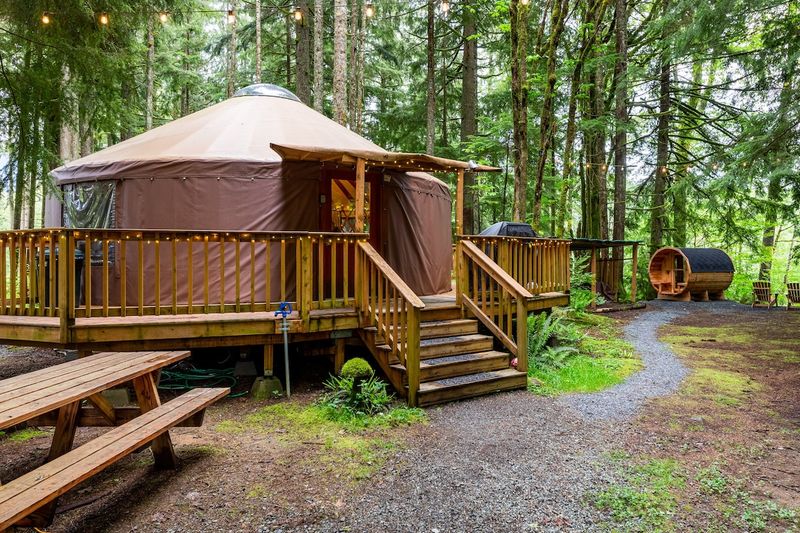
{"x":793,"y":295}
{"x":762,"y":295}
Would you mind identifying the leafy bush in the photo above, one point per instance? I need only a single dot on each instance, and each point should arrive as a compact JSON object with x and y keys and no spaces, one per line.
{"x":542,"y":330}
{"x":580,"y":294}
{"x":356,"y":368}
{"x":357,"y":396}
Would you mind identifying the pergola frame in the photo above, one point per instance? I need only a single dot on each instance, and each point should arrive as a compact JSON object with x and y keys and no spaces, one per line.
{"x":360,"y":160}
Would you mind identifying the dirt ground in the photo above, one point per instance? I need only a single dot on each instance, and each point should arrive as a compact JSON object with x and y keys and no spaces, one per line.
{"x":732,"y":429}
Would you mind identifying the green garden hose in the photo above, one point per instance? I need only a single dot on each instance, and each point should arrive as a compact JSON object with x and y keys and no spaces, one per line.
{"x":193,"y":377}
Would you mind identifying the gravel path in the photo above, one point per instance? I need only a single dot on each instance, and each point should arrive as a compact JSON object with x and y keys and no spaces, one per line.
{"x":515,"y":461}
{"x":661,"y":375}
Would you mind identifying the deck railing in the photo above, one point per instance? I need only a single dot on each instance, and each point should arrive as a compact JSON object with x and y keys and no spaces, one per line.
{"x":540,"y":265}
{"x":78,"y":273}
{"x":385,"y":301}
{"x":493,"y":297}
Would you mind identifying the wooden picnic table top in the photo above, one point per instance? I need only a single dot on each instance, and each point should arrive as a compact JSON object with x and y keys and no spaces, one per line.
{"x":30,"y":395}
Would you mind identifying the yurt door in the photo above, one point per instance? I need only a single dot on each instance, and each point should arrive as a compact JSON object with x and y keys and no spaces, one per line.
{"x":338,"y":205}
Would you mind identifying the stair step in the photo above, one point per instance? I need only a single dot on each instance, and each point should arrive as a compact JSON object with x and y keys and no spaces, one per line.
{"x":444,"y":346}
{"x":457,"y":388}
{"x":440,"y":312}
{"x":437,"y":328}
{"x":460,"y":365}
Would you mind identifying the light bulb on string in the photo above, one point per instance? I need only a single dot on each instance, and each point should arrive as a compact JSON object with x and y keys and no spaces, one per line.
{"x":714,"y":166}
{"x":231,"y":16}
{"x":445,"y":6}
{"x":163,"y":16}
{"x":46,"y":18}
{"x":369,"y":10}
{"x":298,"y":14}
{"x":524,"y":2}
{"x":104,"y":18}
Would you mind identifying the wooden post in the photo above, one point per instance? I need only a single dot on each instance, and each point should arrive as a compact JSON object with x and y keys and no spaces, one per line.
{"x":594,"y":278}
{"x":412,"y":354}
{"x":305,"y":289}
{"x":338,"y":357}
{"x":460,"y":203}
{"x":65,"y":285}
{"x":147,"y":397}
{"x":360,"y":192}
{"x":268,"y":360}
{"x":635,"y":268}
{"x":522,"y":335}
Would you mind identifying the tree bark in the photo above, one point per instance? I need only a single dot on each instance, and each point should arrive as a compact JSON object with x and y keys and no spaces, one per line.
{"x":258,"y":41}
{"x":519,"y":105}
{"x":362,"y":39}
{"x":185,"y":94}
{"x":303,"y":59}
{"x":620,"y":134}
{"x":319,"y":65}
{"x":289,"y":49}
{"x":150,"y":75}
{"x":340,"y":61}
{"x":658,"y":211}
{"x":352,"y":72}
{"x":232,"y":53}
{"x":547,"y":122}
{"x":430,"y":107}
{"x":469,"y":109}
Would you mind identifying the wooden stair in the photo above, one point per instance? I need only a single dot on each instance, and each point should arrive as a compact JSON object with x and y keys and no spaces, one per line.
{"x":456,"y":360}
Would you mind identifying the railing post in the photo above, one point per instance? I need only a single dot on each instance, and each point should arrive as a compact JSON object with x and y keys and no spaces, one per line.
{"x":412,"y":353}
{"x":306,"y":285}
{"x":522,"y":335}
{"x":460,"y":268}
{"x":63,"y":261}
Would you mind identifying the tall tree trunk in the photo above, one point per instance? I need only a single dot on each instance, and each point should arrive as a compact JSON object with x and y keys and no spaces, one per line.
{"x":519,"y":105}
{"x":469,"y":108}
{"x":303,"y":60}
{"x":232,"y":53}
{"x":68,"y":138}
{"x":289,"y":49}
{"x":22,"y":151}
{"x":34,"y":163}
{"x":150,"y":75}
{"x":340,"y":61}
{"x":774,"y":190}
{"x":547,"y":122}
{"x":620,"y":134}
{"x":185,"y":95}
{"x":352,"y":73}
{"x":658,"y":211}
{"x":258,"y":41}
{"x":362,"y":39}
{"x":430,"y":107}
{"x":319,"y":64}
{"x":125,"y":132}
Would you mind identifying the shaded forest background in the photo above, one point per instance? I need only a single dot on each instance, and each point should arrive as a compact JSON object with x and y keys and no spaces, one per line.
{"x":671,"y":122}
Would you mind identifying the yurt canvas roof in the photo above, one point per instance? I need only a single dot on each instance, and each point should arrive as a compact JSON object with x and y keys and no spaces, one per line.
{"x":238,"y":130}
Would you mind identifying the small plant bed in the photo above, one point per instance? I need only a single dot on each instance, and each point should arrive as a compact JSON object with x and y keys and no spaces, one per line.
{"x":729,"y":434}
{"x":573,"y":351}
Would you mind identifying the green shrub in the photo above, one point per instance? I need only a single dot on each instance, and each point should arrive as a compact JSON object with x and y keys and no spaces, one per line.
{"x":543,"y":330}
{"x":357,"y":396}
{"x":356,"y":368}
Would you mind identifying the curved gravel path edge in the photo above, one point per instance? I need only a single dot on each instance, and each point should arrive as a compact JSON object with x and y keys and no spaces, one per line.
{"x":662,"y":373}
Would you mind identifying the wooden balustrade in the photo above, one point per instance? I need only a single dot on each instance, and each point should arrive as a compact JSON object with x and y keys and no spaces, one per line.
{"x":539,"y":265}
{"x":78,"y":273}
{"x":494,"y":297}
{"x":385,"y":301}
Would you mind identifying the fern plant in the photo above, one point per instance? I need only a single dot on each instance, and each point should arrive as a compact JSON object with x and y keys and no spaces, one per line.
{"x":542,"y":330}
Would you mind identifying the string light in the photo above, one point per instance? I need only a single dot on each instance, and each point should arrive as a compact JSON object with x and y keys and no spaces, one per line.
{"x":231,"y":16}
{"x":45,"y":18}
{"x":298,"y":14}
{"x":163,"y":17}
{"x":524,"y":2}
{"x":445,"y":6}
{"x":104,"y":18}
{"x":714,"y":166}
{"x":369,"y":10}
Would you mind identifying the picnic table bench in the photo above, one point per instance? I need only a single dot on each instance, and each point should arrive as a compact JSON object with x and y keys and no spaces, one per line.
{"x":54,"y":396}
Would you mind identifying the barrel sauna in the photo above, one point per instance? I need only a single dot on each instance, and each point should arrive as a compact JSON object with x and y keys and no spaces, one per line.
{"x":685,"y":274}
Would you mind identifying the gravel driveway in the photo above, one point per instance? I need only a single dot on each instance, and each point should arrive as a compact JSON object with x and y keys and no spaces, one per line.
{"x":515,"y":461}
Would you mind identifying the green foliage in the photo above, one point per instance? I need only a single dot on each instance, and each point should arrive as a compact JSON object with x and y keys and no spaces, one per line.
{"x":356,"y":396}
{"x":25,"y":434}
{"x":712,"y":480}
{"x":644,"y":500}
{"x":356,"y":368}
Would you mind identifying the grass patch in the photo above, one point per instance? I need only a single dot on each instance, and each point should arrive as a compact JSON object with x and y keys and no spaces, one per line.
{"x":600,"y":358}
{"x":353,"y":445}
{"x":24,"y":435}
{"x":644,"y":500}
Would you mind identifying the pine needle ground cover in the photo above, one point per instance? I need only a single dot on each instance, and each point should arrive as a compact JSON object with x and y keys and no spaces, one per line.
{"x":577,"y":352}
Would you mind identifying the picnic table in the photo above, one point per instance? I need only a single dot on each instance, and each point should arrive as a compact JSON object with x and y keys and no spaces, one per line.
{"x":55,"y":396}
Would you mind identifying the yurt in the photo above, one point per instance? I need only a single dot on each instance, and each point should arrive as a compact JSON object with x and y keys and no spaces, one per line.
{"x":690,"y":273}
{"x":219,"y":169}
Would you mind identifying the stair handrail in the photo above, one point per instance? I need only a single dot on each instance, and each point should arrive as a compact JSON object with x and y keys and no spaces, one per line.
{"x":385,"y":301}
{"x":477,"y":275}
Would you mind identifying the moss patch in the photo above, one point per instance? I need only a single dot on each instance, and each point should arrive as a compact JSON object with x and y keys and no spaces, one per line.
{"x":355,"y":446}
{"x":24,"y":435}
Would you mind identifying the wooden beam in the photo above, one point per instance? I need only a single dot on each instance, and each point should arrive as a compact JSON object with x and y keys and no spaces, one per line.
{"x":268,"y":360}
{"x":634,"y":267}
{"x":338,"y":358}
{"x":360,"y":192}
{"x":148,"y":399}
{"x":460,"y":203}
